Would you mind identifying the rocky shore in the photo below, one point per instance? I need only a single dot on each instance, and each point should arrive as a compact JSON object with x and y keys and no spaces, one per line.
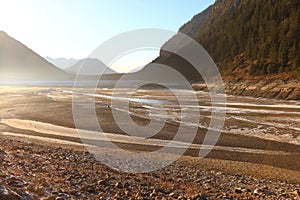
{"x":273,"y":89}
{"x":33,"y":171}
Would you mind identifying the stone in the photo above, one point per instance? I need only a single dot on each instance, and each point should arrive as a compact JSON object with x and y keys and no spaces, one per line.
{"x":238,"y":190}
{"x":173,"y":195}
{"x":256,"y":192}
{"x":6,"y":194}
{"x":50,"y":198}
{"x":119,"y":185}
{"x":40,"y":191}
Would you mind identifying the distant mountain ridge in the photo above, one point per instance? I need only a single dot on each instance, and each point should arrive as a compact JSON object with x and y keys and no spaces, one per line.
{"x":19,"y":63}
{"x":89,"y":67}
{"x":62,"y":63}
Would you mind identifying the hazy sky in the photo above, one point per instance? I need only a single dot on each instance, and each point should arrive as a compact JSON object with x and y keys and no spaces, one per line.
{"x":74,"y":28}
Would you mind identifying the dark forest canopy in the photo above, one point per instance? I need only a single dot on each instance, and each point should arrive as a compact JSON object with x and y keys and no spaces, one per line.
{"x":260,"y":36}
{"x":245,"y":38}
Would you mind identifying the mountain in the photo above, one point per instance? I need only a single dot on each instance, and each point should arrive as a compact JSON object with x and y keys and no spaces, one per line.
{"x":255,"y":44}
{"x":246,"y":38}
{"x":19,"y":63}
{"x":249,"y":40}
{"x":89,"y":67}
{"x":62,"y":63}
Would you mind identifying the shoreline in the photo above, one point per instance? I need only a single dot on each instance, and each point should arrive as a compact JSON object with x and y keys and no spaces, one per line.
{"x":270,"y":88}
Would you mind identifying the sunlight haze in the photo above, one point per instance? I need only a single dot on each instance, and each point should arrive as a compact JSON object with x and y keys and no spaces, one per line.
{"x":73,"y":29}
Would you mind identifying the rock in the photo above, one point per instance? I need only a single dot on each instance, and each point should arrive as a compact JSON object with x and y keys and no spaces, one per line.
{"x":256,"y":192}
{"x":17,"y":183}
{"x":198,"y":197}
{"x":279,"y":89}
{"x":40,"y":191}
{"x":126,"y":185}
{"x":73,"y":192}
{"x":267,"y":192}
{"x":2,"y":152}
{"x":202,"y":197}
{"x":103,"y":182}
{"x":160,"y":190}
{"x":173,"y":195}
{"x":153,"y":194}
{"x":6,"y":194}
{"x":50,"y":198}
{"x":119,"y":185}
{"x":238,"y":190}
{"x":60,"y":198}
{"x":284,"y":195}
{"x":297,"y":193}
{"x":126,"y":193}
{"x":3,"y":190}
{"x":24,"y":195}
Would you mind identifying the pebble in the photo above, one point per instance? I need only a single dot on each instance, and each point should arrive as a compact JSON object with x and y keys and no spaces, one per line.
{"x":77,"y":175}
{"x":6,"y":194}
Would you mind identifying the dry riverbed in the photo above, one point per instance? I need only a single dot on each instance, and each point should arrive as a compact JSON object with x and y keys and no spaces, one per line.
{"x":42,"y":156}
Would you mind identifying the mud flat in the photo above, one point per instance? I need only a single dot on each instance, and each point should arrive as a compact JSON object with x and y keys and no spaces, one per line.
{"x":256,"y":156}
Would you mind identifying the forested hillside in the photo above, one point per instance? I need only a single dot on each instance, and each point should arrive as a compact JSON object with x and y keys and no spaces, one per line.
{"x":261,"y":37}
{"x":246,"y":38}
